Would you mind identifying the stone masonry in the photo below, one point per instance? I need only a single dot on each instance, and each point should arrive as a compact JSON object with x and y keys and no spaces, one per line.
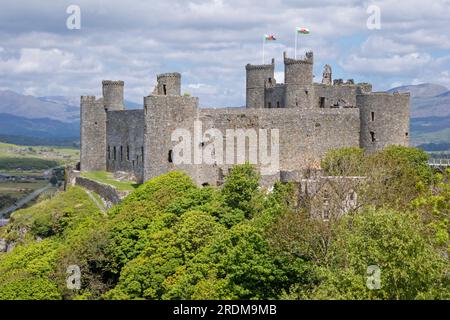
{"x":312,"y":118}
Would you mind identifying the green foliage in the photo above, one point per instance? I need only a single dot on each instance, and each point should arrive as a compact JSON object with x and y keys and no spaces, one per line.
{"x":25,"y":273}
{"x":170,"y":239}
{"x":344,"y":162}
{"x":162,"y":190}
{"x":394,"y":176}
{"x":13,"y":163}
{"x":240,"y":188}
{"x":393,"y":241}
{"x":417,"y":159}
{"x":165,"y":251}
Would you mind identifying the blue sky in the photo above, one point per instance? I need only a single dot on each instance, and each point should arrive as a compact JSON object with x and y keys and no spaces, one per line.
{"x":210,"y":41}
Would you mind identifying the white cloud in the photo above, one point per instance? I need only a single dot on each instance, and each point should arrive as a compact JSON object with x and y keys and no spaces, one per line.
{"x":210,"y":41}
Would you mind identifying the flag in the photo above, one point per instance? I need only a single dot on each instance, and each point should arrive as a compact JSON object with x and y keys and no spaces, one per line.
{"x":269,"y":37}
{"x":303,"y":30}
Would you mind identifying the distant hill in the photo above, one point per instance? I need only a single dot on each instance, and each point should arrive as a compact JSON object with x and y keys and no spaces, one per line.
{"x":424,"y":90}
{"x":39,"y":127}
{"x":427,"y":100}
{"x":32,"y":107}
{"x":55,"y":119}
{"x":64,"y":109}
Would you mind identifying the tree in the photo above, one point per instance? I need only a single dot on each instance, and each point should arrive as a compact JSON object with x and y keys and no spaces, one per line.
{"x":165,"y":251}
{"x":391,"y":180}
{"x":347,"y":161}
{"x":239,"y":191}
{"x":394,"y":242}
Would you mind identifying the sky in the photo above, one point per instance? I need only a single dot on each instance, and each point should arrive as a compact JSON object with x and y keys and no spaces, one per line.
{"x":210,"y":41}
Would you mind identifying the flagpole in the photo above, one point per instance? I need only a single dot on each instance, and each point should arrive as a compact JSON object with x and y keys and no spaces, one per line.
{"x":296,"y":35}
{"x":264,"y":42}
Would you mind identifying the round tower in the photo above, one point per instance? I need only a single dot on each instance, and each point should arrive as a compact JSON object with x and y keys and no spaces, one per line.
{"x":169,"y":84}
{"x":113,"y":95}
{"x":257,"y":77}
{"x":298,"y":74}
{"x":384,"y":119}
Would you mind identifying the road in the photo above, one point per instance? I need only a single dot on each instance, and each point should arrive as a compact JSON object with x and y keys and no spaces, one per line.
{"x":19,"y":204}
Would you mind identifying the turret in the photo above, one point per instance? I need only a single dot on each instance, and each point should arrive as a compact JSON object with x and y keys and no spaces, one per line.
{"x":92,"y":134}
{"x":169,"y":84}
{"x":327,"y":77}
{"x":384,"y":120}
{"x":299,"y":71}
{"x":257,"y":77}
{"x":113,"y":95}
{"x":298,"y":75}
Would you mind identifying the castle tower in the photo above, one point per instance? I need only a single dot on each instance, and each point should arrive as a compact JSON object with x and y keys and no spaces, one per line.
{"x":298,"y":75}
{"x":384,"y":119}
{"x":327,"y":78}
{"x":257,"y":76}
{"x":92,"y":134}
{"x":169,"y":84}
{"x":113,"y":95}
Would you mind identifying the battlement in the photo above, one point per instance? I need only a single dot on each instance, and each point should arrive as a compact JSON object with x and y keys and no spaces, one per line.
{"x":340,"y":82}
{"x":87,"y":99}
{"x":307,"y":59}
{"x":113,"y":83}
{"x":168,"y":84}
{"x":168,"y":75}
{"x":260,"y":66}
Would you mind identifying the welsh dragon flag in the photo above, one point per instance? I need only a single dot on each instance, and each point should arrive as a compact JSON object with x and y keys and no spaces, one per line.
{"x":303,"y":30}
{"x":269,"y":37}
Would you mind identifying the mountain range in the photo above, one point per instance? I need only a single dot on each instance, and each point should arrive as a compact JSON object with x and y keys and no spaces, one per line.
{"x":25,"y":119}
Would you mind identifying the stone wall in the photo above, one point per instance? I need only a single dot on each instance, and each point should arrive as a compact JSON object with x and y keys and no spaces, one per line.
{"x":304,"y":137}
{"x":257,"y":76}
{"x":105,"y":191}
{"x":113,"y":95}
{"x":92,"y":134}
{"x":275,"y":96}
{"x":310,"y":118}
{"x":169,"y":84}
{"x":384,"y":120}
{"x":163,"y":114}
{"x":334,"y":96}
{"x":125,"y":142}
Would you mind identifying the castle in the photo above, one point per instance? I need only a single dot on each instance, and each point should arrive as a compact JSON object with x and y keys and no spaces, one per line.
{"x":310,"y":119}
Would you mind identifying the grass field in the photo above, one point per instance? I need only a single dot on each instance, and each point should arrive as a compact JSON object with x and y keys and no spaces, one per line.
{"x":107,"y":178}
{"x":24,"y":161}
{"x":13,"y":156}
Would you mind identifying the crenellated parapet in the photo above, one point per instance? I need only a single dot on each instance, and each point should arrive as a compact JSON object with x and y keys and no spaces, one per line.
{"x":307,"y":59}
{"x":257,"y":76}
{"x":168,"y":84}
{"x":113,"y":94}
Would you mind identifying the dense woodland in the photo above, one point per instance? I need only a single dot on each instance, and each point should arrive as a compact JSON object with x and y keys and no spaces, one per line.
{"x":170,"y":239}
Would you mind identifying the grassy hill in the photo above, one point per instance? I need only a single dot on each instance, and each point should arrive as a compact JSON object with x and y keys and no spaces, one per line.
{"x":170,"y":239}
{"x":35,"y":157}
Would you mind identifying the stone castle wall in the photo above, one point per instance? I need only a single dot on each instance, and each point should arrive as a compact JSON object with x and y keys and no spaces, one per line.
{"x":304,"y":137}
{"x":125,"y":142}
{"x":311,"y":119}
{"x":384,"y":120}
{"x":92,"y":134}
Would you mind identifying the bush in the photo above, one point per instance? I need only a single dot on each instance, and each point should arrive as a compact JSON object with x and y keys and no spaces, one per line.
{"x":344,"y":162}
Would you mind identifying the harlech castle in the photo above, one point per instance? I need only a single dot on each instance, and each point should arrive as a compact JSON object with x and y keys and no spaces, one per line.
{"x":310,"y":118}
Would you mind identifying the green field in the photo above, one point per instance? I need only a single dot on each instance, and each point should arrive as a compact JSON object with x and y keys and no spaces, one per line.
{"x":107,"y":178}
{"x":25,"y":161}
{"x":15,"y":157}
